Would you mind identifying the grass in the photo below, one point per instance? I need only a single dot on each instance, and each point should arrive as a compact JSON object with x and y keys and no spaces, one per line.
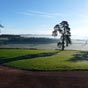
{"x":45,"y":60}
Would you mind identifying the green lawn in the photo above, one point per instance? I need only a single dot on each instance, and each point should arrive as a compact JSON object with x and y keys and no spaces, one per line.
{"x":44,"y":60}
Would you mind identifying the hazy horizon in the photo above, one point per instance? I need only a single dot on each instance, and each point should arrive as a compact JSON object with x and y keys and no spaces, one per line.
{"x":49,"y":36}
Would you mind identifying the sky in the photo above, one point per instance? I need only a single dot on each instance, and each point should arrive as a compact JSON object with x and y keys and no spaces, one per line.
{"x":40,"y":16}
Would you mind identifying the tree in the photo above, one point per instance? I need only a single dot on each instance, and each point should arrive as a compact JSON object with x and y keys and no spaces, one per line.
{"x":64,"y":30}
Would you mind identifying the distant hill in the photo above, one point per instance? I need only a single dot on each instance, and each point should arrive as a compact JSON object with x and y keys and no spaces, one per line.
{"x":18,"y":39}
{"x":9,"y":36}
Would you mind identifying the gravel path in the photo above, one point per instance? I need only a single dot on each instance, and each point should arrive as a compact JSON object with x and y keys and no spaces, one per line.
{"x":15,"y":78}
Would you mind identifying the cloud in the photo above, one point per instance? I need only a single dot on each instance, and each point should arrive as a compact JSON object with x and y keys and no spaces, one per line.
{"x":42,"y":14}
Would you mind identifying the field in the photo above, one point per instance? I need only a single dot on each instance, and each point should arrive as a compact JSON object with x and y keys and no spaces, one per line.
{"x":44,"y":60}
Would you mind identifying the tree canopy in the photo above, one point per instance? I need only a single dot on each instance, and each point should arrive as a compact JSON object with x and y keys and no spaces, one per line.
{"x":64,"y":29}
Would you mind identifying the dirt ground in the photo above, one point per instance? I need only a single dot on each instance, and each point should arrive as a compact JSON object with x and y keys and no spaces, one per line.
{"x":15,"y":78}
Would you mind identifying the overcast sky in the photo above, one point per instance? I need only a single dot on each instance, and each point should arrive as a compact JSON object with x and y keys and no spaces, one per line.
{"x":40,"y":16}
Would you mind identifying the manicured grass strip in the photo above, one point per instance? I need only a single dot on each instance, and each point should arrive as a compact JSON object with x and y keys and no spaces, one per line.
{"x":11,"y":53}
{"x":45,"y":60}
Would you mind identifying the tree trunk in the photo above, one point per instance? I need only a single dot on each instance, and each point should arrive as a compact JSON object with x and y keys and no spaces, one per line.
{"x":66,"y":39}
{"x":63,"y":42}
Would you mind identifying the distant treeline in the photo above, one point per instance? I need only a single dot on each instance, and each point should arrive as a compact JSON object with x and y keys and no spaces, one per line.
{"x":25,"y":40}
{"x":9,"y":36}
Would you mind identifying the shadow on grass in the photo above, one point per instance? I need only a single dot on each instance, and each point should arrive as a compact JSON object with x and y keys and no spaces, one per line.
{"x":28,"y":56}
{"x":82,"y":56}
